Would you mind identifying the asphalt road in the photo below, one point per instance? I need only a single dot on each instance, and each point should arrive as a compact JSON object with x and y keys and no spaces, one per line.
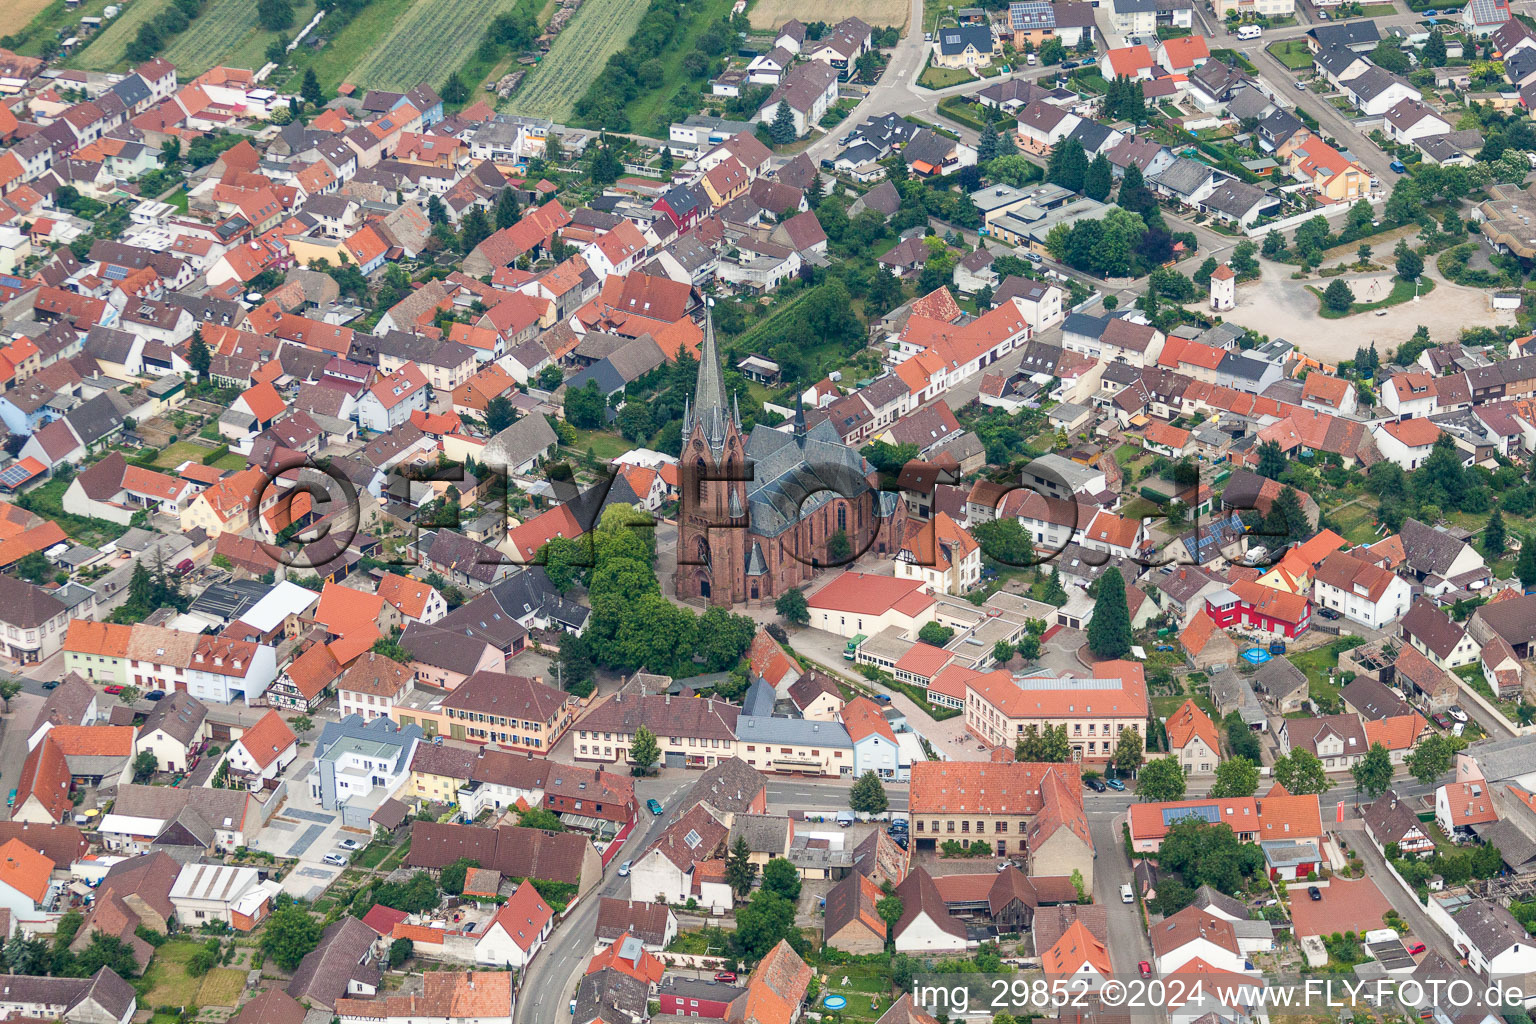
{"x":550,"y":982}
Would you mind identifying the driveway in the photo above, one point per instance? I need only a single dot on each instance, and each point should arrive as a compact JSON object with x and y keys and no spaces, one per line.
{"x":13,"y":740}
{"x":1277,"y":305}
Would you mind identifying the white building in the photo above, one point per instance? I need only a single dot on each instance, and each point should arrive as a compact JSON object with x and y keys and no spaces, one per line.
{"x":264,"y":750}
{"x":517,"y":932}
{"x":875,"y":747}
{"x":220,"y":894}
{"x":392,"y":399}
{"x":1406,"y":442}
{"x":1360,"y":591}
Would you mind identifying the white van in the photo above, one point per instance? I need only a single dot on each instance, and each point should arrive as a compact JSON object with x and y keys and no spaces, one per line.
{"x":1249,"y":32}
{"x":1127,"y":894}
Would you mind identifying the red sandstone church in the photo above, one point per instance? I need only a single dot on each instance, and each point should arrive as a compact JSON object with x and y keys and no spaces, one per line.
{"x":761,"y":513}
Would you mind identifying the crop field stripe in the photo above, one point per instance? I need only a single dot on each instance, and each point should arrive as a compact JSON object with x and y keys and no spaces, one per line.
{"x":415,"y":50}
{"x":600,"y":29}
{"x":216,"y":31}
{"x":106,"y":51}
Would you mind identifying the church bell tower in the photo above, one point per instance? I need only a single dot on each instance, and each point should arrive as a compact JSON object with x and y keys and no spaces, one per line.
{"x":712,"y":534}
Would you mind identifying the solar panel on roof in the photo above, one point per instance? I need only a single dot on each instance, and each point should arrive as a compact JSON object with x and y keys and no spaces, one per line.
{"x":1209,"y":814}
{"x":14,"y":475}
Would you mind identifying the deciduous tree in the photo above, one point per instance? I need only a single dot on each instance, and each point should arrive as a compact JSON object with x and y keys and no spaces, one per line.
{"x":1048,"y":747}
{"x":1161,"y":779}
{"x":867,"y":795}
{"x":1235,"y":777}
{"x":1373,"y":774}
{"x":1301,"y":773}
{"x":792,"y":607}
{"x":289,"y":934}
{"x":643,"y":750}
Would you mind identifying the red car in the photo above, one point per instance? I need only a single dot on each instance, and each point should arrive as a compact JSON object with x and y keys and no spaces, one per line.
{"x":1145,"y":969}
{"x":114,"y":690}
{"x":1415,"y":948}
{"x":1441,"y":720}
{"x":725,"y":976}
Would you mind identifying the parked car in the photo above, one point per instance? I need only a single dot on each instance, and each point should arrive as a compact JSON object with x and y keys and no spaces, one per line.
{"x":1328,"y":613}
{"x":113,"y":690}
{"x":50,"y":684}
{"x":1415,"y":948}
{"x":1301,"y":86}
{"x":349,"y":844}
{"x":1127,"y":894}
{"x":154,"y":695}
{"x":1097,"y":785}
{"x":1398,"y":167}
{"x":10,"y":801}
{"x":1145,"y":969}
{"x":725,"y":975}
{"x":654,"y":806}
{"x":882,"y":698}
{"x":1441,"y":720}
{"x":1455,"y":712}
{"x":1115,"y":784}
{"x":1314,"y":892}
{"x":335,"y":858}
{"x":624,"y":869}
{"x":899,"y":825}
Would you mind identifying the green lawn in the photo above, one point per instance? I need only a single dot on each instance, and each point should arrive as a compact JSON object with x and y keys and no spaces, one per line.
{"x":1235,"y":58}
{"x":1089,"y":79}
{"x":648,"y":112}
{"x":1402,"y":291}
{"x":370,"y":855}
{"x":1127,"y":453}
{"x":105,"y":51}
{"x":1378,"y":11}
{"x":1141,"y":508}
{"x":868,"y":990}
{"x":1317,"y":662}
{"x":1168,"y":703}
{"x":959,"y":110}
{"x":1355,"y":523}
{"x":166,"y":982}
{"x":1293,"y":53}
{"x":48,"y":502}
{"x":604,"y":443}
{"x":221,"y":986}
{"x":943,"y":78}
{"x":396,"y":857}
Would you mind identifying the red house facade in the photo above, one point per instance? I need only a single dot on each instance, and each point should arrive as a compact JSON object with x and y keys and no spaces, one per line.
{"x":683,"y":205}
{"x":1248,"y":604}
{"x":695,"y":997}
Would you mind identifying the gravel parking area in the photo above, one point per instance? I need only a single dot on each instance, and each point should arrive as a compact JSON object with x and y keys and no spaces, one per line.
{"x":1278,"y":306}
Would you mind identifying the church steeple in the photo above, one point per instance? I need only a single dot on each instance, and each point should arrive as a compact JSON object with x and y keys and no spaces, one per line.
{"x":800,"y":414}
{"x":709,"y":413}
